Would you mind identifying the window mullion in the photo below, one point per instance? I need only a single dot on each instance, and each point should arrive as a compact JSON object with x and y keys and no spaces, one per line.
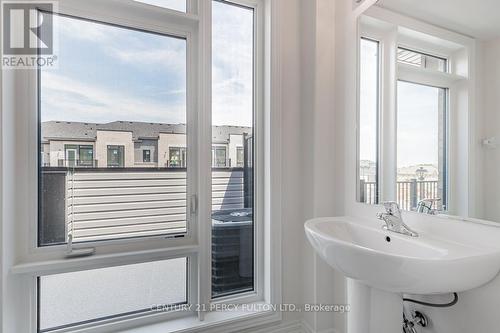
{"x":205,"y":151}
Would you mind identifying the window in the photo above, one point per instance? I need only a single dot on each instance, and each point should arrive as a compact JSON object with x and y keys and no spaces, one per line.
{"x":233,"y":106}
{"x":368,"y":187}
{"x":239,"y":157}
{"x":422,"y":145}
{"x":86,"y":156}
{"x":71,"y":153}
{"x":219,"y":159}
{"x":131,"y":87}
{"x":146,"y":156}
{"x":116,"y":158}
{"x":418,"y":59}
{"x":103,"y":92}
{"x":177,"y":157}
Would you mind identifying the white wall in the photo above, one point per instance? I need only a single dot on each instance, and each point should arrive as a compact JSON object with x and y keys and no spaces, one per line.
{"x":165,"y":141}
{"x":318,"y":151}
{"x":235,"y":141}
{"x":491,"y":114}
{"x":292,"y":212}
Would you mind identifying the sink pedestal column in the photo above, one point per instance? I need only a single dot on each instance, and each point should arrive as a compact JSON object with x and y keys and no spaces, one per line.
{"x":373,"y":310}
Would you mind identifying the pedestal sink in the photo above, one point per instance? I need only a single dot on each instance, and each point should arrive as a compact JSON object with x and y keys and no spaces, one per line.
{"x":383,"y":265}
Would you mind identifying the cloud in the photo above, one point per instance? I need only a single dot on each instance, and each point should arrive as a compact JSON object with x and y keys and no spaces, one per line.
{"x":232,"y":65}
{"x":64,"y":98}
{"x":127,"y":45}
{"x":172,"y":59}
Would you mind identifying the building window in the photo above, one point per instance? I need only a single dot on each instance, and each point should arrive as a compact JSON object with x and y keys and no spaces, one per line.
{"x":219,"y":157}
{"x":146,"y":156}
{"x":86,"y":154}
{"x":71,"y":156}
{"x":368,"y":145}
{"x":77,"y":156}
{"x":116,"y":156}
{"x":177,"y":157}
{"x":421,"y":145}
{"x":240,"y":157}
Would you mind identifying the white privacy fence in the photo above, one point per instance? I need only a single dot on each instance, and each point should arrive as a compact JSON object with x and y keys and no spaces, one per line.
{"x":110,"y":204}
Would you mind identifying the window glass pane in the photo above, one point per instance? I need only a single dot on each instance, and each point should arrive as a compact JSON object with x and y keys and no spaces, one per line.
{"x":233,"y":112}
{"x":78,"y":297}
{"x":220,"y":157}
{"x":86,"y":156}
{"x":422,"y":145}
{"x":179,"y":5}
{"x":239,"y":157}
{"x":116,"y":156}
{"x":368,"y":121}
{"x":422,"y":60}
{"x":146,"y":156}
{"x":117,"y":91}
{"x":177,"y":157}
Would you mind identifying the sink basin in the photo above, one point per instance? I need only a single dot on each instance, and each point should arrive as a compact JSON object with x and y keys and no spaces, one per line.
{"x":428,"y":264}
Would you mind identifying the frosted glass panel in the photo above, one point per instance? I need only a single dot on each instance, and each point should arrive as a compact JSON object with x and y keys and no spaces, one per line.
{"x":73,"y":298}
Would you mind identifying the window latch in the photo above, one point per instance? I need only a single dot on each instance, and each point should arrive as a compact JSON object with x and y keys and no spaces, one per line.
{"x":193,"y":205}
{"x":77,"y":253}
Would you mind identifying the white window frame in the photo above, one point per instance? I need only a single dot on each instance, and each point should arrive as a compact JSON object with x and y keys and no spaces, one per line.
{"x":26,"y":261}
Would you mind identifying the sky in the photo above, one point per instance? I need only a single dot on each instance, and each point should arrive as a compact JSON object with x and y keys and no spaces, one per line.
{"x":417,"y":115}
{"x":107,"y":73}
{"x":418,"y":129}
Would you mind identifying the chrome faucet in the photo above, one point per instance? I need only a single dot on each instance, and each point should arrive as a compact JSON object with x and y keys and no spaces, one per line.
{"x":425,"y":206}
{"x":393,"y":219}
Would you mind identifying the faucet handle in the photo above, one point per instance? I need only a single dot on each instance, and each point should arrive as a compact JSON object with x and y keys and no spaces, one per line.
{"x":425,"y":205}
{"x":392,"y":208}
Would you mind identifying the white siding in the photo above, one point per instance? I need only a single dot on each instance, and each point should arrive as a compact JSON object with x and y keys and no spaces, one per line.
{"x":110,"y":204}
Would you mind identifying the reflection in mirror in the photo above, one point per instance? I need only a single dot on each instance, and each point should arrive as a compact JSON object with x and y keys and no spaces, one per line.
{"x":368,"y":121}
{"x":428,"y":119}
{"x":421,"y":145}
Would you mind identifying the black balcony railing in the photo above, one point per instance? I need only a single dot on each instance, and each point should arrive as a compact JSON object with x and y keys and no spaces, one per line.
{"x":408,"y":193}
{"x":77,"y":163}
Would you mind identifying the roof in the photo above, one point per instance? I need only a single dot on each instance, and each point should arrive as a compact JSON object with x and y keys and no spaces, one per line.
{"x":78,"y":131}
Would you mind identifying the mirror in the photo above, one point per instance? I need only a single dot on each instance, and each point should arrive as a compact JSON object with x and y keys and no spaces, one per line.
{"x":428,"y":106}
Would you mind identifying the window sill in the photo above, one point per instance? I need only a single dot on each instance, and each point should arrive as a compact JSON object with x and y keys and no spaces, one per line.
{"x":232,"y":320}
